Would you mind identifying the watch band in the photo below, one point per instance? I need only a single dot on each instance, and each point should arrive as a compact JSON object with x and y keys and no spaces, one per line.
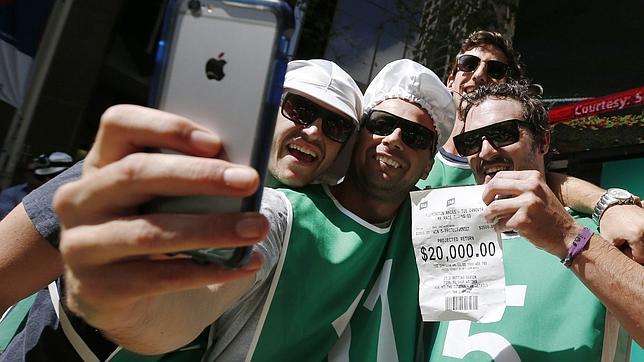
{"x":611,"y":197}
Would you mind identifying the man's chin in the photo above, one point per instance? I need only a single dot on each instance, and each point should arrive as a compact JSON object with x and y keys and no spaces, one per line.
{"x":293,"y":180}
{"x":301,"y":175}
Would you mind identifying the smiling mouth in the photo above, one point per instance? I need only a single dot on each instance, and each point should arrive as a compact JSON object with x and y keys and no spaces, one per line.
{"x":302,"y":153}
{"x":388,"y":161}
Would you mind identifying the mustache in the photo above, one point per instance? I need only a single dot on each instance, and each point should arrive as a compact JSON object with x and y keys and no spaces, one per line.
{"x":496,"y":160}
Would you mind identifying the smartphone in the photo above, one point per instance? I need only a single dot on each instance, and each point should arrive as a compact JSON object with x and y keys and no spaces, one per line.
{"x":222,"y":63}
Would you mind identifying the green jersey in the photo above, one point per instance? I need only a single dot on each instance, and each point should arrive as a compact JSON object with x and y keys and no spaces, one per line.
{"x":549,"y":315}
{"x":333,"y":294}
{"x":448,"y":170}
{"x":385,"y":328}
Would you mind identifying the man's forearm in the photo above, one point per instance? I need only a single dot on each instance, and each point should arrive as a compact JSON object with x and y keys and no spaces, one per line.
{"x":616,"y":280}
{"x":575,"y":193}
{"x":27,"y":261}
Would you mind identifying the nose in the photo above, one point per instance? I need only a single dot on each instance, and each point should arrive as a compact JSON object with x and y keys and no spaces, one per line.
{"x":487,"y":150}
{"x":394,"y":139}
{"x":314,"y":130}
{"x":480,"y":74}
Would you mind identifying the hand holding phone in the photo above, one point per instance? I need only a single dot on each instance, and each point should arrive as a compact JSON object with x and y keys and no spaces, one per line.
{"x":113,"y":273}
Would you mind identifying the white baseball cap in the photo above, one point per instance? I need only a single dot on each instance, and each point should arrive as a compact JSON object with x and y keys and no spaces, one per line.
{"x":408,"y":80}
{"x":329,"y":84}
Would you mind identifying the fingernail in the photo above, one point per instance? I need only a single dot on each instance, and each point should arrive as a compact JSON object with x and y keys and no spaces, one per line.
{"x":250,"y":227}
{"x":204,"y":141}
{"x":239,"y":177}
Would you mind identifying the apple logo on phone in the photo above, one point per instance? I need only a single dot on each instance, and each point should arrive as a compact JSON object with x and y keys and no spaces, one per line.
{"x":215,"y":68}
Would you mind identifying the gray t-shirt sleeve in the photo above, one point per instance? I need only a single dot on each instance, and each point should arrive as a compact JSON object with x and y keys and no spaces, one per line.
{"x":38,"y":204}
{"x":274,"y":207}
{"x":232,"y":334}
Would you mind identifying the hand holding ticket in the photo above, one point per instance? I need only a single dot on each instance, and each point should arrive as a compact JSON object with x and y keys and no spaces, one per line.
{"x":458,"y":254}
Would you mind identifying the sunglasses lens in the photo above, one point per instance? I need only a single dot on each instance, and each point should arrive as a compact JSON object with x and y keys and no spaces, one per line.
{"x":304,"y":112}
{"x":337,"y":128}
{"x":503,"y":134}
{"x":468,"y":63}
{"x":496,"y":69}
{"x":380,"y":124}
{"x":468,"y":143}
{"x":499,"y":135}
{"x":418,"y":137}
{"x":299,"y":109}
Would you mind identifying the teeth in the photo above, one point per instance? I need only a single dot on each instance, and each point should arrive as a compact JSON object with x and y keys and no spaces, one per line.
{"x":388,"y":161}
{"x":496,"y":169}
{"x":303,"y":150}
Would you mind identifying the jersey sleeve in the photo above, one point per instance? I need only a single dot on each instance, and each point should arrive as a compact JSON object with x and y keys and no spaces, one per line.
{"x":276,"y":208}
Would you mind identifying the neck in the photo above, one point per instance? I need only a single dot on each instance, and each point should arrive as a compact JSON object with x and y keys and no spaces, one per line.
{"x":458,"y":128}
{"x":366,"y":205}
{"x":449,"y":146}
{"x":272,"y":182}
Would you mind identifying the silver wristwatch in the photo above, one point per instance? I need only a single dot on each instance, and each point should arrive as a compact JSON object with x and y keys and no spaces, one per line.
{"x":610,"y":198}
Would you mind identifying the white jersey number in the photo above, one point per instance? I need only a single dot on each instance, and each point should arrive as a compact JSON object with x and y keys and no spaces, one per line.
{"x":386,"y":340}
{"x":458,"y":342}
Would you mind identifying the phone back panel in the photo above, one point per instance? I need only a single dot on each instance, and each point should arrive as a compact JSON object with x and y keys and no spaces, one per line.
{"x":241,"y":41}
{"x":218,"y":70}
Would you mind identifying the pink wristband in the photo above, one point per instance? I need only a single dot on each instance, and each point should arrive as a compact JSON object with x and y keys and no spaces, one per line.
{"x":577,"y":246}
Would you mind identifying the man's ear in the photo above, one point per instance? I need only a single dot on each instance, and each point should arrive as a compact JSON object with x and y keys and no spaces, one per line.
{"x":544,"y":146}
{"x":450,"y":81}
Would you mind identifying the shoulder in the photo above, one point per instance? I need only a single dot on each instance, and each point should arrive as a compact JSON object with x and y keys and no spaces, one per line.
{"x":42,"y":196}
{"x":307,"y":191}
{"x":451,"y":161}
{"x":275,"y":205}
{"x":277,"y":209}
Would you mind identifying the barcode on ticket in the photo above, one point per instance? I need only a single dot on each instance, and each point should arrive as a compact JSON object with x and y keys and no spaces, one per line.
{"x":462,"y":302}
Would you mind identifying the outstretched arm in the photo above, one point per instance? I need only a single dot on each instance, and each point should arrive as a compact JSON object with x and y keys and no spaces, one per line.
{"x":575,"y":193}
{"x":538,"y":216}
{"x":618,"y":225}
{"x":616,"y":280}
{"x":27,"y":261}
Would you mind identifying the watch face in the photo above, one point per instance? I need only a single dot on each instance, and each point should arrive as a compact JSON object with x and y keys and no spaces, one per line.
{"x":619,"y":194}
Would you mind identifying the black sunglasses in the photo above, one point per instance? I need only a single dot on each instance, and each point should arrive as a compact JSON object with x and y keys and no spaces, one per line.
{"x":494,"y":68}
{"x":498,"y":134}
{"x":414,"y":135}
{"x":304,"y":112}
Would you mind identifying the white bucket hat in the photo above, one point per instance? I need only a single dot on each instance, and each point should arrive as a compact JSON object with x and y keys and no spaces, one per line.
{"x":326,"y":82}
{"x":408,"y":80}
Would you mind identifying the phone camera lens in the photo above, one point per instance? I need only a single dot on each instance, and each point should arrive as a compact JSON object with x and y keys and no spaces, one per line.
{"x":194,"y":5}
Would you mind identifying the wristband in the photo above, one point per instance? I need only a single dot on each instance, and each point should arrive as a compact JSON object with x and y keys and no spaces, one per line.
{"x":577,"y":246}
